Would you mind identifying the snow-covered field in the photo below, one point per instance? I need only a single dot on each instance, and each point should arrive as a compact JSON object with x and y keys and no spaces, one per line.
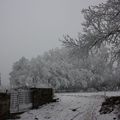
{"x":72,"y":106}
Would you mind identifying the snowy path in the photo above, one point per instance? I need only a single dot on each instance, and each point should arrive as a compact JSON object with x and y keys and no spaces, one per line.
{"x":70,"y":107}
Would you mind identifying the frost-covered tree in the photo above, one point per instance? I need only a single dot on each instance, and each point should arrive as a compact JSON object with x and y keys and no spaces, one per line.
{"x":101,"y":26}
{"x":39,"y":71}
{"x":20,"y":73}
{"x":57,"y":64}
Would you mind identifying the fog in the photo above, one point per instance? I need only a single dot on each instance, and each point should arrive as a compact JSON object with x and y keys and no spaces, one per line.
{"x":31,"y":27}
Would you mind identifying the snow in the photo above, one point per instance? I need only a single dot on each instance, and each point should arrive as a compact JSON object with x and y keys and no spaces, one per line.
{"x":72,"y":106}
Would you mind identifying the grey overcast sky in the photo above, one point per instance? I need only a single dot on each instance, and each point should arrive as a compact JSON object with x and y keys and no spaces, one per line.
{"x":31,"y":27}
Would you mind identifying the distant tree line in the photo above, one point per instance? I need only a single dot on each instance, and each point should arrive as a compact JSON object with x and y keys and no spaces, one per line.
{"x":66,"y":72}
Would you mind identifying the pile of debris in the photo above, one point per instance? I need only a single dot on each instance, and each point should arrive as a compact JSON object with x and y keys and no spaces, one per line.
{"x":111,"y":104}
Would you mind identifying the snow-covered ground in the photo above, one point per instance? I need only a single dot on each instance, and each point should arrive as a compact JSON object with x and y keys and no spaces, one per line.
{"x":72,"y":106}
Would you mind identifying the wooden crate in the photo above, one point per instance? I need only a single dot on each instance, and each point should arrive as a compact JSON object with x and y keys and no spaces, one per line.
{"x":41,"y":96}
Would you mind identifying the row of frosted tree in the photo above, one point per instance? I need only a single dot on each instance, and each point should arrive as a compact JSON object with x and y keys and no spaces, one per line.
{"x":91,"y":62}
{"x":67,"y":72}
